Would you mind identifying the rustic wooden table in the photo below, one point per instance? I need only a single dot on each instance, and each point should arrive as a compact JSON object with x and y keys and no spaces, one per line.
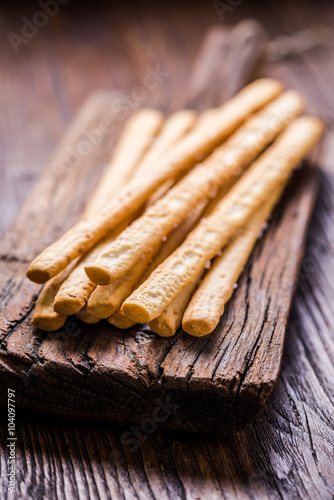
{"x":287,"y":452}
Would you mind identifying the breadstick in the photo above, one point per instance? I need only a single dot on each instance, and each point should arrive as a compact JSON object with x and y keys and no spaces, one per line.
{"x":199,"y":185}
{"x":266,"y":174}
{"x":87,"y":317}
{"x":169,"y":321}
{"x":205,"y":118}
{"x":196,"y":145}
{"x":176,"y":126}
{"x":119,"y":320}
{"x":44,"y":316}
{"x":136,"y":139}
{"x":105,"y":300}
{"x":207,"y":304}
{"x":77,"y":288}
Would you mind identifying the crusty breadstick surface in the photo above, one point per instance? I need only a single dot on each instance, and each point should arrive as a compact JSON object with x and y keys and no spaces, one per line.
{"x":109,"y":298}
{"x":169,"y":321}
{"x":207,"y":304}
{"x":190,"y":150}
{"x":199,"y":185}
{"x":265,"y":176}
{"x":75,"y":290}
{"x":44,"y":316}
{"x":67,"y":293}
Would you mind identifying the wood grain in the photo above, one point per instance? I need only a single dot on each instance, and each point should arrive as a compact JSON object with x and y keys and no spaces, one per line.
{"x":287,"y":451}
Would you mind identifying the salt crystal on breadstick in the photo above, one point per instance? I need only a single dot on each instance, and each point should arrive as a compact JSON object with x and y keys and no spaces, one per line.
{"x":196,"y":145}
{"x":265,"y":176}
{"x":224,"y":164}
{"x":207,"y":304}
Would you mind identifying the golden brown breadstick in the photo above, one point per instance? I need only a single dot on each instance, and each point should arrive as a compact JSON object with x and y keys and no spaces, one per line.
{"x":44,"y":316}
{"x":194,"y":147}
{"x":199,"y":185}
{"x":175,"y":239}
{"x":105,"y":300}
{"x":205,"y":118}
{"x":75,"y":290}
{"x":176,"y":126}
{"x":87,"y":317}
{"x":207,"y":304}
{"x":136,"y":139}
{"x":119,"y":320}
{"x":265,"y":176}
{"x":169,"y":321}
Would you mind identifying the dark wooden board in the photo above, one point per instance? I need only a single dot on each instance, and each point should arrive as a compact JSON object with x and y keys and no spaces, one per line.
{"x":216,"y":383}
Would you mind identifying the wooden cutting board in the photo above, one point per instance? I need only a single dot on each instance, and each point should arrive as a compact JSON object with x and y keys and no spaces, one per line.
{"x":98,"y":372}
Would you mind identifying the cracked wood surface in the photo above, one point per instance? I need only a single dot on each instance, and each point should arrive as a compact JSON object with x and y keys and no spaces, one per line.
{"x":287,"y":450}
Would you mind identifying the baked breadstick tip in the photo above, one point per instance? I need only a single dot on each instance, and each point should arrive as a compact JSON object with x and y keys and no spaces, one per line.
{"x":119,"y":320}
{"x":44,"y":316}
{"x":167,"y":324}
{"x":195,"y":146}
{"x":87,"y":317}
{"x":264,"y":177}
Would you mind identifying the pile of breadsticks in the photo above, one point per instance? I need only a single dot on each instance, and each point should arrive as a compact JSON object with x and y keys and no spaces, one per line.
{"x":176,"y":214}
